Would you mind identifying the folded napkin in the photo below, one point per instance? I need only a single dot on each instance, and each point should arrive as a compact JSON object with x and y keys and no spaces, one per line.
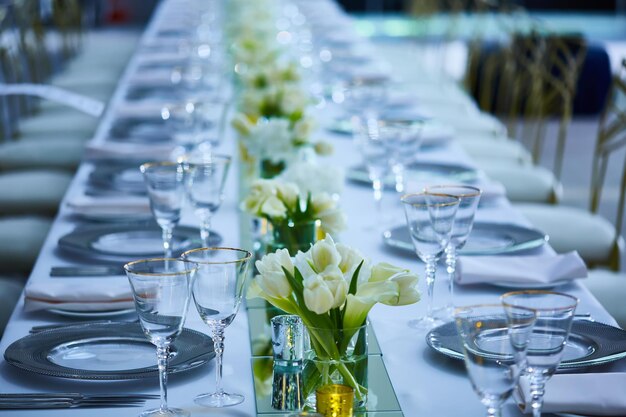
{"x":522,"y":270}
{"x":152,"y":78}
{"x":74,"y":295}
{"x":115,"y":150}
{"x":587,"y":394}
{"x":109,"y":206}
{"x":144,"y":109}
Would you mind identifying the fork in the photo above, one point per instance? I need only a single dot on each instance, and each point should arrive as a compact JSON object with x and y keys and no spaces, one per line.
{"x":71,"y":400}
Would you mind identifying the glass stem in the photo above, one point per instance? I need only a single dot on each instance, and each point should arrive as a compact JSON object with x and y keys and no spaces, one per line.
{"x":377,"y":185}
{"x":218,"y":346}
{"x":494,"y":410}
{"x":162,"y":357}
{"x":167,"y":241}
{"x":398,"y":170}
{"x":451,"y":270}
{"x":431,"y":268}
{"x":205,"y":230}
{"x":537,"y":390}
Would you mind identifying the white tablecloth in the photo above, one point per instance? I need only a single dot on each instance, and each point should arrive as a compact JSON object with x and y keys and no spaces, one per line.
{"x":427,"y":384}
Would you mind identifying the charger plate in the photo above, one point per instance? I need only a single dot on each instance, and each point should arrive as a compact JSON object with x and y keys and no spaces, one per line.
{"x":590,"y":344}
{"x":427,"y":172}
{"x":105,"y":351}
{"x":123,"y":242}
{"x":485,"y":239}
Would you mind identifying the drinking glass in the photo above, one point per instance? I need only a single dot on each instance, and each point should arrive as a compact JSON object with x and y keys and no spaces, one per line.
{"x":469,"y":197}
{"x":217,"y":290}
{"x":166,"y":190}
{"x":554,"y":312}
{"x":495,"y":339}
{"x":375,"y":154}
{"x":430,"y":218}
{"x":161,"y":290}
{"x":404,"y":139}
{"x":205,"y":178}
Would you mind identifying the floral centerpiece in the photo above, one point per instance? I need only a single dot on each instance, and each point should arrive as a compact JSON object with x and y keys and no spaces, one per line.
{"x":295,"y":218}
{"x":332,"y":287}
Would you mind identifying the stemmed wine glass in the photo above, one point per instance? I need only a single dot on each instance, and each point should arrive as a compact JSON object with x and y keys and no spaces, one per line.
{"x":404,"y":139}
{"x":495,"y":339}
{"x":166,"y":190}
{"x":205,"y":178}
{"x":430,"y":218}
{"x":161,"y":289}
{"x":217,"y":291}
{"x":554,"y":312}
{"x":469,"y":197}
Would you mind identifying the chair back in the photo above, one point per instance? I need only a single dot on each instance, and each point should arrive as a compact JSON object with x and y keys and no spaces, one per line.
{"x":611,"y":138}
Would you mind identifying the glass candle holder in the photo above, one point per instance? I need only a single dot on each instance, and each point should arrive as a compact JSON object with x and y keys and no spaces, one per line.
{"x":335,"y":401}
{"x":287,"y":340}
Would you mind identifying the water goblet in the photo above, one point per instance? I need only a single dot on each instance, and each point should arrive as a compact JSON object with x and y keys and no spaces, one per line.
{"x":494,"y":339}
{"x":166,"y":191}
{"x":205,"y":178}
{"x":161,"y":289}
{"x":469,"y":197}
{"x":217,"y":290}
{"x":403,"y":138}
{"x":554,"y":313}
{"x":430,"y":218}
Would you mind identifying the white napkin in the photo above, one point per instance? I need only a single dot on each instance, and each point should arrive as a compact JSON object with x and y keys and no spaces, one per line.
{"x":109,"y":206}
{"x":114,"y":150}
{"x":152,"y":78}
{"x":147,"y":109}
{"x":523,"y":270}
{"x":98,"y":294}
{"x":588,"y":394}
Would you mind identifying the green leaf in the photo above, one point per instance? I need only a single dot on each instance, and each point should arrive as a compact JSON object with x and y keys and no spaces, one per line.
{"x":355,"y":278}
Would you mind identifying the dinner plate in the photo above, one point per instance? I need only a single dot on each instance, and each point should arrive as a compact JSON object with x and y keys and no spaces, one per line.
{"x":433,"y":135}
{"x":140,"y":130}
{"x":485,"y":239}
{"x":420,"y":172}
{"x":91,"y":314}
{"x":124,"y":242}
{"x":121,"y":178}
{"x":105,"y":351}
{"x":590,"y":343}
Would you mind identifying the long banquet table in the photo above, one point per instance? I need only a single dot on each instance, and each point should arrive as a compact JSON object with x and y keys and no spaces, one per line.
{"x":425,"y":383}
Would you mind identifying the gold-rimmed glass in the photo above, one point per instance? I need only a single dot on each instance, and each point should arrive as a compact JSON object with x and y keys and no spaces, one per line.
{"x":469,"y":197}
{"x":430,"y":218}
{"x":554,"y":314}
{"x":495,"y":339}
{"x":217,"y":291}
{"x":161,"y":289}
{"x":166,"y":191}
{"x":205,"y":178}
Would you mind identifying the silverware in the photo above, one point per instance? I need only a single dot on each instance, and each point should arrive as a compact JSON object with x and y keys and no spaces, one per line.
{"x":86,"y":271}
{"x":71,"y":400}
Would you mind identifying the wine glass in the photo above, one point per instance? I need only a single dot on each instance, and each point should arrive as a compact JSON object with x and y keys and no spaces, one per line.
{"x":495,"y":339}
{"x":205,"y":178}
{"x":375,"y":154}
{"x":404,"y":139}
{"x":166,"y":190}
{"x":469,"y":197}
{"x":554,"y":312}
{"x":430,"y":218}
{"x":161,"y":290}
{"x":217,"y":291}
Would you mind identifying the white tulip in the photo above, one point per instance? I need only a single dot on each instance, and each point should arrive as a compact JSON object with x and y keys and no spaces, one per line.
{"x":288,"y":192}
{"x":273,"y":208}
{"x":333,"y":221}
{"x":318,"y":287}
{"x":271,"y":278}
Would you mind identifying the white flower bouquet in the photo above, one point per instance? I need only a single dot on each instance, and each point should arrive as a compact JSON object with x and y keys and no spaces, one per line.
{"x":332,"y":287}
{"x":294,"y":217}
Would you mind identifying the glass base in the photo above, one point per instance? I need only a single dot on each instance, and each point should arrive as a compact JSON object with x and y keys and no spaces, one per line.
{"x":168,"y":412}
{"x":425,"y":323}
{"x":444,"y":313}
{"x":218,"y":400}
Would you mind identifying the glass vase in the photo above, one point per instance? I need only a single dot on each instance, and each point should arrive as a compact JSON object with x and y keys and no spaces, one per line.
{"x":293,"y":236}
{"x":336,"y":356}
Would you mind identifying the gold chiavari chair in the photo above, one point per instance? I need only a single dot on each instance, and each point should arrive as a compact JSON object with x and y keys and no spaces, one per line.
{"x":598,"y":241}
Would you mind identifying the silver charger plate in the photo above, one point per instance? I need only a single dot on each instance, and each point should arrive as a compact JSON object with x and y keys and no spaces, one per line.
{"x":420,"y":172}
{"x":105,"y":351}
{"x":126,"y":179}
{"x":91,"y":314}
{"x":590,"y":343}
{"x":124,"y":242}
{"x":485,"y":239}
